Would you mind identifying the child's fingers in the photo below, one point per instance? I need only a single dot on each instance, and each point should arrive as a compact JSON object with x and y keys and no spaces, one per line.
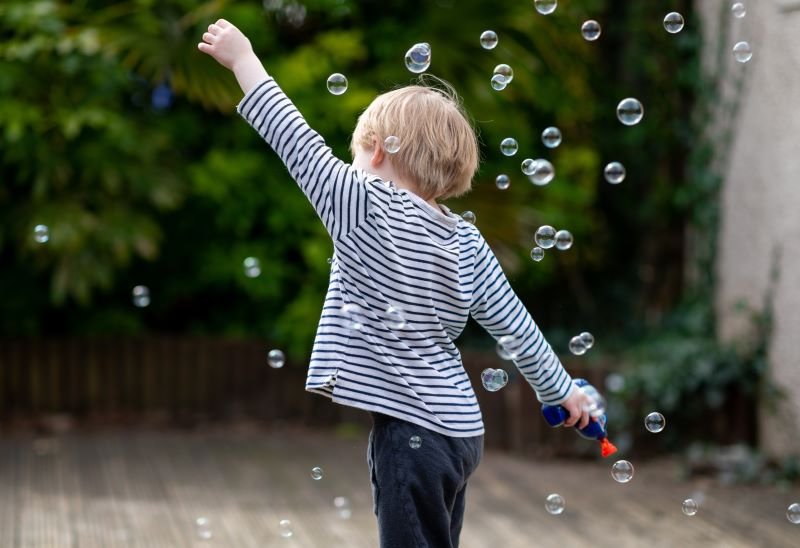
{"x":214,"y":29}
{"x":222,"y":23}
{"x":205,"y":48}
{"x":210,"y":38}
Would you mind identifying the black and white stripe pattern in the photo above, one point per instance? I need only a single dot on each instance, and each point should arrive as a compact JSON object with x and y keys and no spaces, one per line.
{"x":394,"y":249}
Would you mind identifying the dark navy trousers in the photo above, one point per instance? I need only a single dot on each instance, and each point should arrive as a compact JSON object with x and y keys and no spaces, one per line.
{"x":418,"y":492}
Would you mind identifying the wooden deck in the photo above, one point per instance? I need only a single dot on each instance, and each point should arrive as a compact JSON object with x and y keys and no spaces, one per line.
{"x":146,"y":488}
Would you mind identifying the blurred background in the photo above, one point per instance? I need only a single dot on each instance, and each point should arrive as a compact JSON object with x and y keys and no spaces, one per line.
{"x":153,"y":250}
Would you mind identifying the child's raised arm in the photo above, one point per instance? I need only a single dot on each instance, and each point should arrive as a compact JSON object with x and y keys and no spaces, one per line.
{"x":232,"y":49}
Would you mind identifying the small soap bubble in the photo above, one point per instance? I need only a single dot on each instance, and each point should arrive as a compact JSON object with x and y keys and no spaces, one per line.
{"x":622,"y":471}
{"x":509,"y":146}
{"x":577,"y":346}
{"x":587,"y":338}
{"x":354,"y":317}
{"x":276,"y":358}
{"x":590,"y":30}
{"x":394,"y":318}
{"x":545,"y":236}
{"x":418,"y":58}
{"x":141,"y":296}
{"x":655,"y":422}
{"x":498,"y":82}
{"x":543,"y":172}
{"x":615,"y":383}
{"x":252,"y":267}
{"x":537,"y":253}
{"x":505,"y":71}
{"x":285,"y":528}
{"x":673,"y":22}
{"x":738,"y":10}
{"x":203,"y":529}
{"x":614,"y":173}
{"x":508,"y":347}
{"x":494,"y":379}
{"x":41,"y":234}
{"x":554,"y":504}
{"x":545,"y":7}
{"x":415,"y":442}
{"x":563,"y":240}
{"x":630,"y":111}
{"x":316,"y":473}
{"x":489,"y":39}
{"x":689,"y":507}
{"x":793,"y":513}
{"x":551,"y":137}
{"x":528,"y":166}
{"x":330,"y":260}
{"x":502,"y":181}
{"x":742,"y":52}
{"x":337,"y":83}
{"x":391,"y":144}
{"x":342,"y":505}
{"x":469,"y":216}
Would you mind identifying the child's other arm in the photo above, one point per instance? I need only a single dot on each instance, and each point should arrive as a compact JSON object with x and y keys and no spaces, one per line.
{"x":333,"y":187}
{"x":498,"y":309}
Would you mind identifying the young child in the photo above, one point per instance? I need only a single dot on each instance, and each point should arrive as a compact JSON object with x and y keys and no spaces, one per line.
{"x":407,"y":273}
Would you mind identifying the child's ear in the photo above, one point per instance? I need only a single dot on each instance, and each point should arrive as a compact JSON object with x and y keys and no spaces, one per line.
{"x":378,"y":155}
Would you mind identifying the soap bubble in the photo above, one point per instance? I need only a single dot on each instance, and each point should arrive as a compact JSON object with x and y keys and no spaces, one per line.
{"x":793,"y":513}
{"x":285,"y":527}
{"x":543,"y":172}
{"x":203,"y":528}
{"x":502,"y":181}
{"x":742,"y":52}
{"x":738,"y":10}
{"x":489,"y":39}
{"x":469,"y":216}
{"x":577,"y":346}
{"x":545,"y":236}
{"x":689,"y":507}
{"x":597,"y":403}
{"x":391,"y":144}
{"x":499,"y":82}
{"x":418,"y":58}
{"x":494,"y":379}
{"x":614,"y":173}
{"x":337,"y":83}
{"x":630,"y":111}
{"x":41,"y":234}
{"x":509,"y":146}
{"x":551,"y":137}
{"x":554,"y":504}
{"x":590,"y":30}
{"x":276,"y":358}
{"x":537,"y":253}
{"x":141,"y":296}
{"x":528,"y":166}
{"x":415,"y":442}
{"x":563,"y":240}
{"x":587,"y":338}
{"x":505,"y":71}
{"x":395,"y":318}
{"x":622,"y":471}
{"x":342,"y":505}
{"x":252,"y":267}
{"x":615,"y":382}
{"x":316,"y":473}
{"x":545,"y":7}
{"x":655,"y":422}
{"x":508,"y":347}
{"x":673,"y":22}
{"x":354,"y":317}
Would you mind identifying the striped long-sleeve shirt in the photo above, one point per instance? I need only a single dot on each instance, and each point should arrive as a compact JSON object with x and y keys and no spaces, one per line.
{"x":404,"y":279}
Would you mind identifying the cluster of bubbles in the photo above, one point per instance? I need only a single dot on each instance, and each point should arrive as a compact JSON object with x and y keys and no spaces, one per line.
{"x":622,"y":471}
{"x":203,"y":528}
{"x":41,"y":234}
{"x":342,"y":506}
{"x":502,"y":76}
{"x":614,"y":172}
{"x":655,"y":422}
{"x":415,"y":442}
{"x":580,"y":344}
{"x":547,"y":237}
{"x":276,"y":358}
{"x":337,"y":83}
{"x":418,"y":57}
{"x":141,"y":296}
{"x":590,"y":30}
{"x":540,"y":171}
{"x":391,"y":144}
{"x":252,"y":267}
{"x":494,"y":379}
{"x":673,"y":22}
{"x":469,"y":216}
{"x":316,"y":473}
{"x":554,"y":504}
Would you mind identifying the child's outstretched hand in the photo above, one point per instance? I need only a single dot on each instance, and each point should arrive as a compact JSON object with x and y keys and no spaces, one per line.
{"x":225,"y":43}
{"x":578,"y":405}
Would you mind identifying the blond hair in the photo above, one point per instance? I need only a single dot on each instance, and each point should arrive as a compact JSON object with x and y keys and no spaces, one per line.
{"x":438,"y":146}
